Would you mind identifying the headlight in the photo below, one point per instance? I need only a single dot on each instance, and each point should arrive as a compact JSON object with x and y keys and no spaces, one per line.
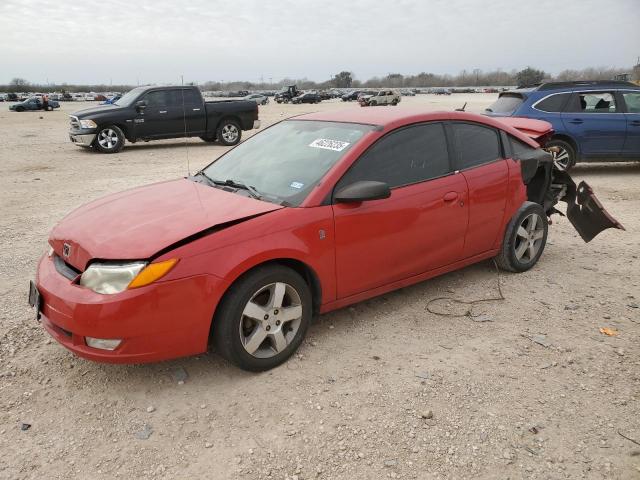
{"x":88,"y":124}
{"x":110,"y":278}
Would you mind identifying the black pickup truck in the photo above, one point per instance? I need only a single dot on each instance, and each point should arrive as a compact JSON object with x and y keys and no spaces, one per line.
{"x":154,"y":113}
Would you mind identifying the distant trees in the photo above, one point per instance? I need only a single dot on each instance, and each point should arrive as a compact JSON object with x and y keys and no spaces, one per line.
{"x":346,"y":79}
{"x":343,"y":79}
{"x":529,"y":76}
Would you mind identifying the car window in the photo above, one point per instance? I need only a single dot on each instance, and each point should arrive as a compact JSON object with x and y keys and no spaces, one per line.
{"x":475,"y":144}
{"x":286,"y":161}
{"x":506,"y":103}
{"x":632,"y":99}
{"x":519,"y":149}
{"x":156,"y":99}
{"x":592,"y":102}
{"x":409,"y":155}
{"x":553,"y":103}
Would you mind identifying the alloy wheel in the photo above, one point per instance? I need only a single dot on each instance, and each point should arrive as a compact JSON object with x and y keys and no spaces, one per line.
{"x":529,"y":237}
{"x":230,"y":133}
{"x":108,"y":138}
{"x":562,"y":159}
{"x":270,"y":320}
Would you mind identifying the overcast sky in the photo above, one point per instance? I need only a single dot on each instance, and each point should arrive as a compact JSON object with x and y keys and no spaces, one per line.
{"x":131,"y":41}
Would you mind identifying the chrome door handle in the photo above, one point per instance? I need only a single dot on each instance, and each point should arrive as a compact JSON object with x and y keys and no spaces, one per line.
{"x":196,"y":109}
{"x":162,"y":111}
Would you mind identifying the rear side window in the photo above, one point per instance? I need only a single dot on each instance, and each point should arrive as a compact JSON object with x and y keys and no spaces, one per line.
{"x":403,"y":157}
{"x":506,"y":103}
{"x":632,"y":99}
{"x":553,"y":103}
{"x":592,"y":102}
{"x":475,"y":144}
{"x":520,"y":150}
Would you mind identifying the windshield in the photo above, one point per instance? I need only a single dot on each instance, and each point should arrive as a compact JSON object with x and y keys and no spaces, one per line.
{"x":506,"y":103}
{"x":285,"y":162}
{"x":129,"y":97}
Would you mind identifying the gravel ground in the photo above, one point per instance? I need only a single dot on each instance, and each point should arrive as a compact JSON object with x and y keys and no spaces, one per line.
{"x":527,"y":388}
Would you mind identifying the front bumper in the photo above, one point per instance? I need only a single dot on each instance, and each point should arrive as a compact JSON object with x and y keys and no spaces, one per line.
{"x":256,"y":124}
{"x":82,"y":140}
{"x":161,"y":321}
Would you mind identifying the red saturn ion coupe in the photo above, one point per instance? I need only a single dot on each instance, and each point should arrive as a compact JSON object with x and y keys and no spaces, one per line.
{"x":312,"y":214}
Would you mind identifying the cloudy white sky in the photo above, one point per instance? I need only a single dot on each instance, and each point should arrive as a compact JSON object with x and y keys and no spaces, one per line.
{"x":129,"y":41}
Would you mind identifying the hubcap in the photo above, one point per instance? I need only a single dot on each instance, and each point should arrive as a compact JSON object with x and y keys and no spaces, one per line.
{"x":230,"y":133}
{"x":562,"y":158}
{"x":529,"y":238}
{"x":108,"y":138}
{"x":270,"y":320}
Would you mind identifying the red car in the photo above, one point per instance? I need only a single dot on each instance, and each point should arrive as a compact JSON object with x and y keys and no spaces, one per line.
{"x":314,"y":213}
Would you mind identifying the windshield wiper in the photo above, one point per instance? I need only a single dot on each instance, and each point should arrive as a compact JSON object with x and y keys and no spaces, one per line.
{"x":232,"y":183}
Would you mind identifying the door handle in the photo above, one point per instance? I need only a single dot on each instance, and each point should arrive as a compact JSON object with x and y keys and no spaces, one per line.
{"x":635,"y":123}
{"x":196,"y":109}
{"x":576,"y":121}
{"x":450,"y":196}
{"x":162,"y":111}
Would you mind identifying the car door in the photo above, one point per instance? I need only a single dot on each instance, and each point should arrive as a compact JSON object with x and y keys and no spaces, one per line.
{"x":161,"y":117}
{"x":594,"y":120}
{"x":632,"y":114}
{"x":420,"y":227}
{"x":195,"y":114}
{"x":478,"y":156}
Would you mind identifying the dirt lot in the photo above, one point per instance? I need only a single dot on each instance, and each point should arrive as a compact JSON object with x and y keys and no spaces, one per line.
{"x":351,"y":404}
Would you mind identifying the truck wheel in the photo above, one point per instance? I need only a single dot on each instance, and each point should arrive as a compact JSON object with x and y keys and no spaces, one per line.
{"x":229,"y":132}
{"x":565,"y":158}
{"x":19,"y":109}
{"x":263,"y":318}
{"x":524,"y":239}
{"x":110,"y":139}
{"x":373,"y":103}
{"x":394,"y":102}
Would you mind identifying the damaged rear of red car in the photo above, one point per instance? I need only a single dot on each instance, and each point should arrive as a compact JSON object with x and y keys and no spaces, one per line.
{"x":548,"y":183}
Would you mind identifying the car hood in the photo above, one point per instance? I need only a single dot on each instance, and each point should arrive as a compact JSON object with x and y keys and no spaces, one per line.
{"x":138,"y":223}
{"x":99,"y":109}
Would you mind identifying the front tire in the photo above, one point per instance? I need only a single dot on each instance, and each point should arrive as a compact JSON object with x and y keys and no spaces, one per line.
{"x":110,"y":139}
{"x":524,"y":239}
{"x":565,"y":158}
{"x":229,"y":132}
{"x":263,"y":318}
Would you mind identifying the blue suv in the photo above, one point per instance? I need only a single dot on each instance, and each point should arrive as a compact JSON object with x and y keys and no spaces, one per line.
{"x":593,"y":121}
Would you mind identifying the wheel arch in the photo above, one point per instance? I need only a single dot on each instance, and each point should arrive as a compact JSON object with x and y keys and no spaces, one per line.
{"x":569,"y":139}
{"x":122,"y":126}
{"x":228,"y":117}
{"x":305,"y":270}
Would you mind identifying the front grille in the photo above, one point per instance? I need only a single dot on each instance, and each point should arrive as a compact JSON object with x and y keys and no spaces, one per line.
{"x":64,"y":269}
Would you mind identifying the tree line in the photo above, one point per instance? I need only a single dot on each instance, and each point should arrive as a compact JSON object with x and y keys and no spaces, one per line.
{"x":346,"y":79}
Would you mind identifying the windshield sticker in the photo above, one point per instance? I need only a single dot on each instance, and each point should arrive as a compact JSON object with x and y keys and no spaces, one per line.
{"x":296,"y":185}
{"x":335,"y":145}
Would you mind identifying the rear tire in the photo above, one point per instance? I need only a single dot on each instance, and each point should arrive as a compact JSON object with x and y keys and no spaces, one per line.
{"x":524,"y":239}
{"x":229,"y":132}
{"x":566,"y":157}
{"x":247,"y":330}
{"x":110,"y":139}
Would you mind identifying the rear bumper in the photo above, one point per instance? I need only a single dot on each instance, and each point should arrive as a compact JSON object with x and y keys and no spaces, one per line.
{"x":85,"y":140}
{"x":161,"y":321}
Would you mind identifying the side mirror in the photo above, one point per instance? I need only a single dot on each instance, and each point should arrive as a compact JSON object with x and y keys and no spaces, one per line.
{"x":141,"y":105}
{"x":363,"y":191}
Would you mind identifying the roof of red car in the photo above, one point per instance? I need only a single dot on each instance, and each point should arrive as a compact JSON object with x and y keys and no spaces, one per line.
{"x":394,"y":117}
